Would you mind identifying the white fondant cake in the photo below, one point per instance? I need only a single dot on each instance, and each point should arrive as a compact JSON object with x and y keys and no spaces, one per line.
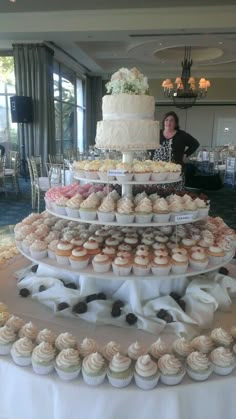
{"x":125,"y":106}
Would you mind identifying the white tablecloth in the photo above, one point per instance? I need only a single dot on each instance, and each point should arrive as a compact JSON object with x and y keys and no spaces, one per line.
{"x":25,"y":395}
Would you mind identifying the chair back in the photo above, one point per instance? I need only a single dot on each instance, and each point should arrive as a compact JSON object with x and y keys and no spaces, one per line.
{"x":56,"y":158}
{"x":39,"y":164}
{"x":30,"y":170}
{"x":2,"y":166}
{"x":13,"y":161}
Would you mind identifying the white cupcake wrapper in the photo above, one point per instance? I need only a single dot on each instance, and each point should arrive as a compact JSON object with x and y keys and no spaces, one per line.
{"x":160,"y":270}
{"x":62,"y":260}
{"x":198,"y":266}
{"x":126,"y":178}
{"x":173,"y":175}
{"x":158,"y":177}
{"x":42,"y":369}
{"x":125,"y":218}
{"x":105,"y":217}
{"x":203,"y":212}
{"x":143,"y":218}
{"x":82,"y":264}
{"x":103,"y":176}
{"x":119,"y":382}
{"x":22,"y":361}
{"x":142,"y":177}
{"x":161,"y":218}
{"x":179,"y":269}
{"x":39,"y":254}
{"x":5,"y":349}
{"x":146,"y":384}
{"x":51,"y":254}
{"x":138,"y":271}
{"x":172,"y":380}
{"x":101,"y":267}
{"x":199,"y":375}
{"x":93,"y":381}
{"x":121,"y":270}
{"x":91,"y":175}
{"x":72,"y":212}
{"x":216,"y":260}
{"x":67,"y":376}
{"x":60,"y":210}
{"x":217,"y":369}
{"x":88,"y":215}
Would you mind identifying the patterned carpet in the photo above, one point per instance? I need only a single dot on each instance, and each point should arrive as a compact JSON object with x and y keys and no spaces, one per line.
{"x":13,"y":208}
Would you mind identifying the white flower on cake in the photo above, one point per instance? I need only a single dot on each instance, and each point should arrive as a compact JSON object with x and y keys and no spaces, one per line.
{"x":128,"y":81}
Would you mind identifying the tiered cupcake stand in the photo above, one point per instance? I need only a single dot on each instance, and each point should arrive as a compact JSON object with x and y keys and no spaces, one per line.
{"x":144,"y":290}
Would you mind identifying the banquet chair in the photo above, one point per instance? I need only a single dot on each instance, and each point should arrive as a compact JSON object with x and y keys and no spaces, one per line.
{"x":2,"y":174}
{"x":56,"y":158}
{"x":12,"y":169}
{"x":40,"y":184}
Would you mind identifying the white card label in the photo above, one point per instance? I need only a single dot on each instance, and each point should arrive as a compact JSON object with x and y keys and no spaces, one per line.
{"x":116,"y":172}
{"x":184,"y":217}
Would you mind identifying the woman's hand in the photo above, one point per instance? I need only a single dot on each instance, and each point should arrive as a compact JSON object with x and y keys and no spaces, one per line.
{"x":185,"y":158}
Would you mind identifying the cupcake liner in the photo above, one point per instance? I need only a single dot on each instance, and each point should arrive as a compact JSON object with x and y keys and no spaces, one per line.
{"x":125,"y":218}
{"x":60,"y":210}
{"x":101,"y":267}
{"x":219,"y":370}
{"x":126,"y":178}
{"x":105,"y":217}
{"x":42,"y":369}
{"x":121,"y":270}
{"x":175,"y":214}
{"x":146,"y":383}
{"x":91,"y":174}
{"x":193,"y":213}
{"x":199,"y":375}
{"x":138,"y":271}
{"x":161,"y":270}
{"x":22,"y":361}
{"x":143,"y":218}
{"x":142,"y":177}
{"x":79,"y":264}
{"x":51,"y":254}
{"x":62,"y":260}
{"x":67,"y":375}
{"x":203,"y":212}
{"x":119,"y":382}
{"x":5,"y":349}
{"x":103,"y":176}
{"x":72,"y":212}
{"x":19,"y":244}
{"x":179,"y":269}
{"x":158,"y":177}
{"x":88,"y":214}
{"x":215,"y":260}
{"x":26,"y":248}
{"x":80,"y":173}
{"x":197,"y":266}
{"x":39,"y":254}
{"x":48,"y":203}
{"x":172,"y":380}
{"x":93,"y":380}
{"x":173,"y":175}
{"x":161,"y":218}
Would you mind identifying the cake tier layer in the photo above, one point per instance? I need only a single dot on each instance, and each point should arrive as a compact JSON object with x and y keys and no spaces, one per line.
{"x":125,"y":106}
{"x":128,"y":134}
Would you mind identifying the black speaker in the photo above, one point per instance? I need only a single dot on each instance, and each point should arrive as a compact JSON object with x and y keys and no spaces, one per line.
{"x":21,"y":109}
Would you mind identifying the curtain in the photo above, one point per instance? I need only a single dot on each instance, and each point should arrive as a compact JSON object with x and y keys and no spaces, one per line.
{"x":94,"y":92}
{"x":34,"y":78}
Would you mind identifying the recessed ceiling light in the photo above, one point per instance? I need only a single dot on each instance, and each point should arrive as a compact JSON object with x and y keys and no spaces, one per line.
{"x":12,"y":1}
{"x":220,"y":42}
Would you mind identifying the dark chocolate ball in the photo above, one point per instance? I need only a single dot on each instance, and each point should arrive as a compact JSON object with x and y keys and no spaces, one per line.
{"x":91,"y":297}
{"x":101,"y":296}
{"x":223,"y":271}
{"x":182,"y":304}
{"x":119,"y":303}
{"x":161,"y":313}
{"x":175,"y":296}
{"x":80,"y":307}
{"x":42,"y":288}
{"x":116,"y":311}
{"x":62,"y":306}
{"x":24,"y":292}
{"x":34,"y":268}
{"x":168,"y":318}
{"x":131,"y":318}
{"x":71,"y":285}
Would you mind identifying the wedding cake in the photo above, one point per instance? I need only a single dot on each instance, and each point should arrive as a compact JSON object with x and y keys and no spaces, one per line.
{"x":128,"y":114}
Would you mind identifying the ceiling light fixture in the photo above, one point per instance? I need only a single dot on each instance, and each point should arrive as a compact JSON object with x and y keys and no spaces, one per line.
{"x":185,"y":92}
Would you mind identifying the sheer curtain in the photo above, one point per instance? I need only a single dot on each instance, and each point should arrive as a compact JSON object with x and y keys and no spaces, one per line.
{"x":34,"y":78}
{"x":94,"y":92}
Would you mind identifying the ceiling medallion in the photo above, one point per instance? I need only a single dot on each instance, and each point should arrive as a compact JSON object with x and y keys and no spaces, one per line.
{"x":185,"y":93}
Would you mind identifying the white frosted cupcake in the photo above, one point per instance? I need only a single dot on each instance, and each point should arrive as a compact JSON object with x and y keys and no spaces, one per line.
{"x":221,"y":337}
{"x":29,"y":330}
{"x":43,"y":356}
{"x":4,"y":316}
{"x":87,"y":347}
{"x":146,"y":374}
{"x":198,"y":366}
{"x":88,"y":208}
{"x":182,"y":348}
{"x":79,"y":258}
{"x":127,"y":174}
{"x":46,"y":335}
{"x":94,"y":369}
{"x":215,"y":254}
{"x":121,"y":266}
{"x":223,"y":360}
{"x":143,"y":211}
{"x":38,"y":249}
{"x":26,"y":243}
{"x":142,"y":172}
{"x":190,"y":208}
{"x":125,"y":211}
{"x":176,"y":209}
{"x":161,"y":212}
{"x":203,"y":344}
{"x":7,"y":338}
{"x":15,"y":323}
{"x":161,"y":265}
{"x":203,"y":208}
{"x":120,"y":371}
{"x":198,"y":260}
{"x":135,"y":350}
{"x":60,"y":205}
{"x":67,"y":364}
{"x":101,"y":263}
{"x":158,"y":349}
{"x":63,"y":252}
{"x":21,"y":351}
{"x":106,"y":211}
{"x":171,"y":370}
{"x":73,"y":205}
{"x":52,"y":248}
{"x":65,"y":340}
{"x":179,"y":263}
{"x":110,"y":349}
{"x":141,"y":266}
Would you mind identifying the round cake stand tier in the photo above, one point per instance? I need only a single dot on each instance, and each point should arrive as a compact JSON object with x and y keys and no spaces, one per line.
{"x":115,"y":223}
{"x":131,"y":182}
{"x":89,"y":272}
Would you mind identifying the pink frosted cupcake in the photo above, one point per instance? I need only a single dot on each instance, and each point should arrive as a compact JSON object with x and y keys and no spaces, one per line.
{"x":39,"y":249}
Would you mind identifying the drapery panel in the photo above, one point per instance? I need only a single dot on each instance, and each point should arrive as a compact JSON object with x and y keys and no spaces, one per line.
{"x":94,"y":92}
{"x":34,"y":78}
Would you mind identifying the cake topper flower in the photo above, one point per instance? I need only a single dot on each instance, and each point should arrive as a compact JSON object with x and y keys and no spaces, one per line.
{"x":128,"y":81}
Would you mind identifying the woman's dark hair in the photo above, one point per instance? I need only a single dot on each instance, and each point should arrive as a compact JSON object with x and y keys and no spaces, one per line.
{"x":176,"y":118}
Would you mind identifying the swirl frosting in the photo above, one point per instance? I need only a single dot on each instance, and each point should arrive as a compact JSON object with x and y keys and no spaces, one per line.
{"x":46,"y":335}
{"x":4,"y":316}
{"x":145,"y":366}
{"x":182,"y":347}
{"x":94,"y":363}
{"x":221,"y":336}
{"x":125,"y":206}
{"x":43,"y":353}
{"x":75,"y":201}
{"x":87,"y":347}
{"x":222,"y":356}
{"x":203,"y":344}
{"x":15,"y":323}
{"x":111,"y":349}
{"x":108,"y":204}
{"x":23,"y":347}
{"x":91,"y":202}
{"x":39,"y":245}
{"x":68,"y":358}
{"x":119,"y":363}
{"x":29,"y":330}
{"x":198,"y":361}
{"x":161,"y":206}
{"x":135,"y":350}
{"x":65,"y":340}
{"x":158,"y":349}
{"x":7,"y":335}
{"x":144,"y":206}
{"x":169,"y":365}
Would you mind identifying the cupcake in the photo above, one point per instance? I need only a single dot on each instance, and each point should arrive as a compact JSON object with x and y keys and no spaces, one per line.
{"x":79,"y":258}
{"x":120,"y":372}
{"x":161,"y":265}
{"x":104,"y":168}
{"x":125,"y":212}
{"x":142,"y":172}
{"x":135,"y":350}
{"x":26,"y":243}
{"x":176,"y":209}
{"x":110,"y":349}
{"x":63,"y":251}
{"x":65,"y":340}
{"x":158,"y":349}
{"x":198,"y":260}
{"x":15,"y":323}
{"x":46,"y":335}
{"x":67,"y":364}
{"x":94,"y":369}
{"x":198,"y":366}
{"x":73,"y":205}
{"x":141,"y":266}
{"x":122,"y":266}
{"x":38,"y":249}
{"x":110,"y":252}
{"x":88,"y":208}
{"x":179,"y":263}
{"x":87,"y":347}
{"x":101,"y":263}
{"x":221,"y":337}
{"x":203,"y":208}
{"x":203,"y":344}
{"x":215,"y":254}
{"x":29,"y":330}
{"x":43,"y":356}
{"x":158,"y":172}
{"x":106,"y":211}
{"x":91,"y":169}
{"x":126,"y":169}
{"x":161,"y":212}
{"x":60,"y":205}
{"x":143,"y":211}
{"x":182,"y":348}
{"x":233,"y":332}
{"x":21,"y":351}
{"x":146,"y":374}
{"x":190,"y":208}
{"x":4,"y":316}
{"x":7,"y":338}
{"x":223,"y":360}
{"x":171,"y":370}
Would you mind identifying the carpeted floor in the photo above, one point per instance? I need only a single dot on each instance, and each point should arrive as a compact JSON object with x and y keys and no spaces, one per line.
{"x":13,"y":208}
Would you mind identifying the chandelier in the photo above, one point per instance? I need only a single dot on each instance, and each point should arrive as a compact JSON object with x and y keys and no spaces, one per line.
{"x":185,"y":92}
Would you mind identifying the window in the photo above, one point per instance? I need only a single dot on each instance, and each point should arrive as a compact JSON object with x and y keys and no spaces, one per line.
{"x":8,"y":130}
{"x":69,"y":109}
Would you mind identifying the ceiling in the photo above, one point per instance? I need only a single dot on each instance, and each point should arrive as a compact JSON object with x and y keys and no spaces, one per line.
{"x":149,"y":35}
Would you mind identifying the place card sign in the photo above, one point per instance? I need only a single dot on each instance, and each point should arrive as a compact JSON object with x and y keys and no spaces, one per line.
{"x":184,"y":217}
{"x":116,"y":172}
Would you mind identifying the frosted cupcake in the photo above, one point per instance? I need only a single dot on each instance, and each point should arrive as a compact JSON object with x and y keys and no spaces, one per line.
{"x":26,"y":243}
{"x":161,"y":212}
{"x":38,"y":249}
{"x":221,"y":337}
{"x":46,"y":335}
{"x":91,"y":169}
{"x":203,"y":344}
{"x":158,"y":172}
{"x":63,"y":251}
{"x":203,"y":208}
{"x":161,"y":265}
{"x":15,"y":323}
{"x":215,"y":254}
{"x":233,"y":332}
{"x":43,"y":356}
{"x":190,"y":208}
{"x":79,"y":258}
{"x":104,"y":168}
{"x":29,"y":330}
{"x":106,"y":211}
{"x":4,"y":316}
{"x":110,"y":252}
{"x":223,"y":360}
{"x":68,"y":364}
{"x":171,"y":370}
{"x":120,"y":371}
{"x":182,"y":348}
{"x":158,"y":349}
{"x":198,"y":260}
{"x":60,"y":205}
{"x":87,"y":347}
{"x":135,"y":350}
{"x":101,"y":263}
{"x":21,"y":351}
{"x":198,"y":366}
{"x":7,"y":338}
{"x":176,"y":208}
{"x":73,"y":205}
{"x":127,"y":172}
{"x":125,"y":211}
{"x":146,"y":374}
{"x":143,"y":211}
{"x":94,"y":369}
{"x":65,"y":340}
{"x":110,"y":349}
{"x":88,"y":208}
{"x":179,"y":263}
{"x":142,"y":172}
{"x":122,"y":266}
{"x":141,"y":266}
